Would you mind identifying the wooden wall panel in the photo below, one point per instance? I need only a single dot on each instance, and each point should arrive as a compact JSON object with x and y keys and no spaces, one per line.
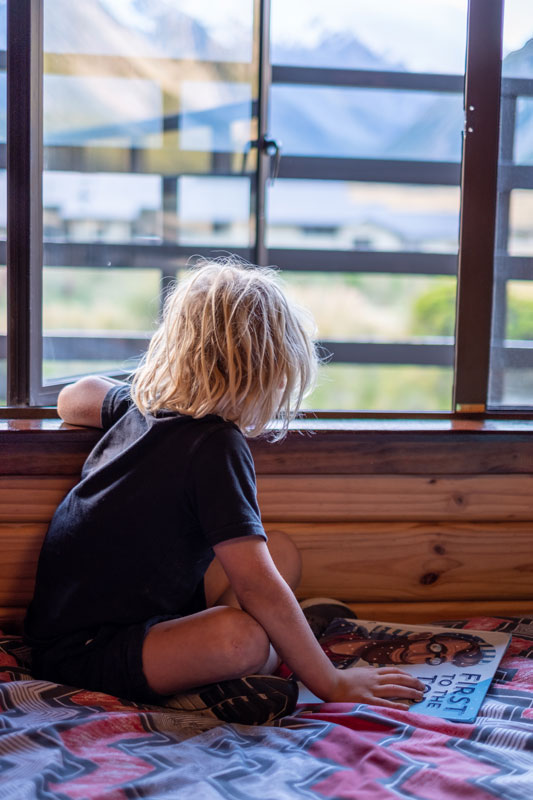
{"x":35,"y":499}
{"x":359,"y":562}
{"x":409,"y":561}
{"x":395,"y":497}
{"x":317,"y":498}
{"x":21,"y":545}
{"x":413,"y":522}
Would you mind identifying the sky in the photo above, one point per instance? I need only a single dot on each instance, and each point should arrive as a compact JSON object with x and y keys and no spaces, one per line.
{"x":402,"y":30}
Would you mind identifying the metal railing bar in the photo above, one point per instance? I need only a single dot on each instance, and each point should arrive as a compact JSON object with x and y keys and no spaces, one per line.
{"x":131,"y":256}
{"x":514,"y":176}
{"x":371,"y":170}
{"x":426,"y":351}
{"x":163,"y":256}
{"x":355,"y":261}
{"x":168,"y":256}
{"x":518,"y":268}
{"x":367,"y":79}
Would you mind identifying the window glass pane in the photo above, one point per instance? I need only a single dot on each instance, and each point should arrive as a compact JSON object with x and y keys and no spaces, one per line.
{"x":148,"y":116}
{"x":185,"y":29}
{"x":343,"y":387}
{"x":386,"y":308}
{"x":367,"y":123}
{"x":96,"y":319}
{"x":3,"y":331}
{"x":520,"y":241}
{"x":411,"y":36}
{"x":511,"y":366}
{"x":344,"y":215}
{"x":3,"y":215}
{"x":393,"y":112}
{"x":214,"y":211}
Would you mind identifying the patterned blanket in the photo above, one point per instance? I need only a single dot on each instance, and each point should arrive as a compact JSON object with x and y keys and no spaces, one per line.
{"x":59,"y":742}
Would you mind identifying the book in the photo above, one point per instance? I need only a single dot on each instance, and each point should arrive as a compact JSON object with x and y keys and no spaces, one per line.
{"x":455,"y":665}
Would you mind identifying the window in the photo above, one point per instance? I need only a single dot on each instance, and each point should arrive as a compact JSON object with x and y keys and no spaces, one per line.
{"x":327,"y":140}
{"x":511,"y":364}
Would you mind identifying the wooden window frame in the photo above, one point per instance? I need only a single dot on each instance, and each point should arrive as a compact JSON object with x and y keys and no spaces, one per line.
{"x":26,"y":395}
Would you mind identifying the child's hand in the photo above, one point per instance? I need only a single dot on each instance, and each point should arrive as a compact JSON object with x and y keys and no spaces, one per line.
{"x":377,"y":686}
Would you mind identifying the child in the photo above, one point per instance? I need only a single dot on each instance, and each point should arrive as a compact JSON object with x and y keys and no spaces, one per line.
{"x":128,"y":599}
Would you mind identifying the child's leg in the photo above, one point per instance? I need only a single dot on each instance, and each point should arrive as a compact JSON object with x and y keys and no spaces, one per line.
{"x":214,"y":645}
{"x":218,"y":644}
{"x":285,"y":555}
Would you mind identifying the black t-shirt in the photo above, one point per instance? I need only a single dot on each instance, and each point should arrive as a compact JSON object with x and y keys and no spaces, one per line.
{"x":134,"y":538}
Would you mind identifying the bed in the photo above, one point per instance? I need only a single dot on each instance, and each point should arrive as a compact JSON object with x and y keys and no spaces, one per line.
{"x":431,"y":522}
{"x":61,"y":742}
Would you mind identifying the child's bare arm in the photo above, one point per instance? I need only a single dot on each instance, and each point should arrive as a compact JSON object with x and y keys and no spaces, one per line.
{"x":263,"y":593}
{"x":80,"y":403}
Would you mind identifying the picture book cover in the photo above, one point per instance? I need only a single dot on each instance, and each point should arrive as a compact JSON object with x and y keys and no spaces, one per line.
{"x":456,"y":665}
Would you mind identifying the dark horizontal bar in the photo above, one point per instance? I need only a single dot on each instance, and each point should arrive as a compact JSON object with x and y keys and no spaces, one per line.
{"x":120,"y":159}
{"x":367,"y":79}
{"x":517,"y":268}
{"x":132,"y":67}
{"x":138,"y":256}
{"x":436,"y":352}
{"x":515,"y":354}
{"x":364,"y":261}
{"x":371,"y":170}
{"x":428,"y":351}
{"x":514,"y":176}
{"x":171,"y":256}
{"x":517,"y":87}
{"x":93,"y":347}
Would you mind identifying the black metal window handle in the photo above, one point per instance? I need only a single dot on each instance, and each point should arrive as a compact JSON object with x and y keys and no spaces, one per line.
{"x":272,"y":147}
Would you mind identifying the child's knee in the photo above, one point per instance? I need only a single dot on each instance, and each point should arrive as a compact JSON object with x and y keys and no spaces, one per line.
{"x":245,"y":642}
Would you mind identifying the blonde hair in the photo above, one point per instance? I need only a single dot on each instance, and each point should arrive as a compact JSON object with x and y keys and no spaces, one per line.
{"x":230,"y":343}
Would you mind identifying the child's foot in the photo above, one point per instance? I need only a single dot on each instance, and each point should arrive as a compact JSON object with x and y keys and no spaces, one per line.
{"x":253,"y":700}
{"x":320,"y":611}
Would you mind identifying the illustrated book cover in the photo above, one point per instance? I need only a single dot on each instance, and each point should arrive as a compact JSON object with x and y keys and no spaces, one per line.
{"x":455,"y":665}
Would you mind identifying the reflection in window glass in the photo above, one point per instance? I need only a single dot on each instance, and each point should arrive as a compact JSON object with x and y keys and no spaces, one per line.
{"x":101,"y":111}
{"x":3,"y":331}
{"x":367,"y":123}
{"x":343,"y":387}
{"x":412,"y":36}
{"x":99,"y":317}
{"x":125,"y":136}
{"x":101,"y":207}
{"x":351,"y":306}
{"x":3,"y":102}
{"x":521,"y":223}
{"x":185,"y":29}
{"x":524,"y":129}
{"x":3,"y":215}
{"x":341,"y":215}
{"x":214,"y":211}
{"x":215,"y":115}
{"x":517,"y":40}
{"x":519,"y":321}
{"x":511,"y":365}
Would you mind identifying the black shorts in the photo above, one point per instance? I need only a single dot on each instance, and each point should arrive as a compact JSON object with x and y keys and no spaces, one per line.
{"x":108,"y":659}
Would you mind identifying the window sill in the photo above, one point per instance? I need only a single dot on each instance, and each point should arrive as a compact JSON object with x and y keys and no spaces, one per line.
{"x":313,"y":446}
